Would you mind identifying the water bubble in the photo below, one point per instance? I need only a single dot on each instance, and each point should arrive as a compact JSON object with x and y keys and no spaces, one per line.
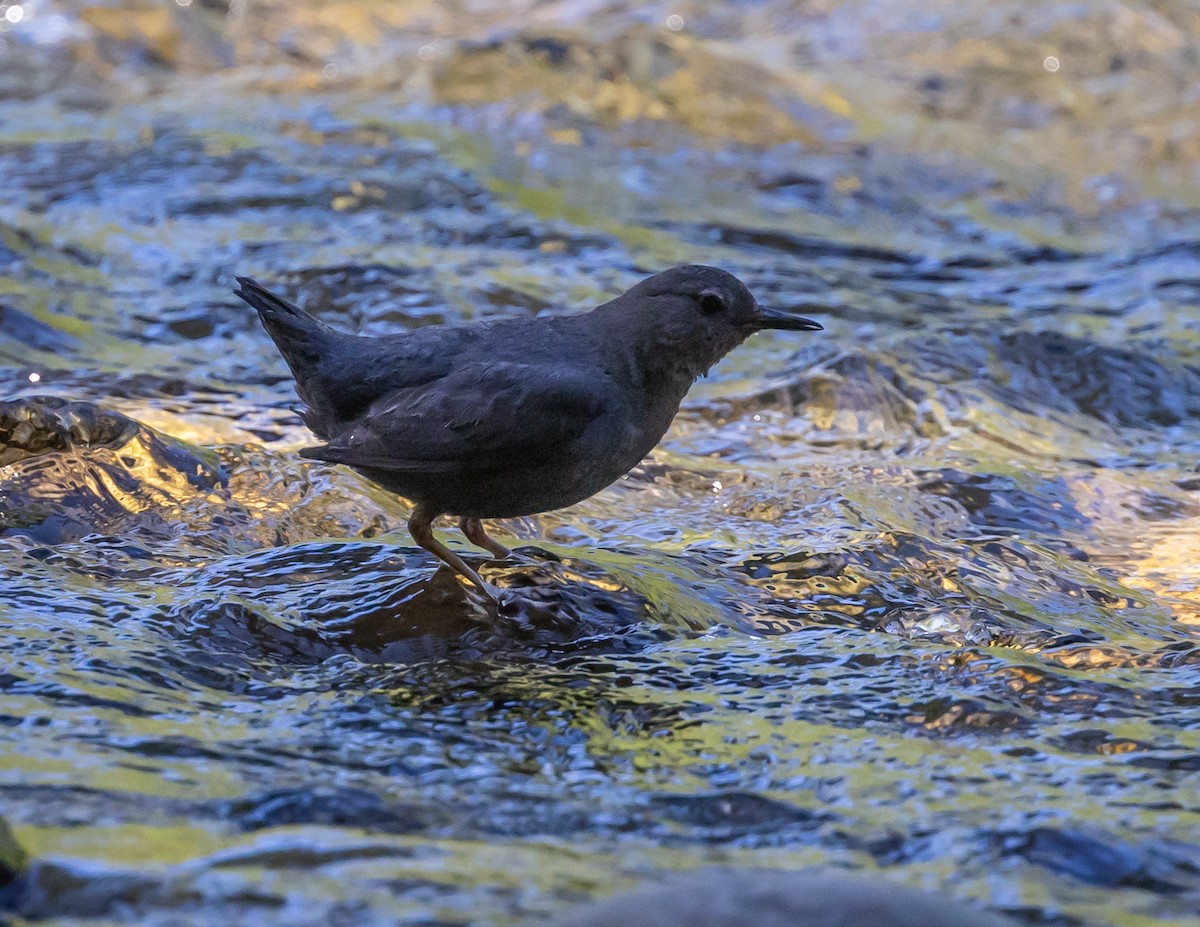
{"x":35,"y":377}
{"x":330,"y":70}
{"x":14,"y":14}
{"x":674,"y":22}
{"x":1051,"y":64}
{"x":426,"y":52}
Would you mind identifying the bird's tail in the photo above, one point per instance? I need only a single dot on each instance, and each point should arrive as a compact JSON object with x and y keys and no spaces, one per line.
{"x":297,"y":334}
{"x":303,"y":342}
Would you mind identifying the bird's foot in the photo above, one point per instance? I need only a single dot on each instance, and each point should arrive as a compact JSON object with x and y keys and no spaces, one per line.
{"x":473,"y":529}
{"x":492,"y":601}
{"x":486,"y":590}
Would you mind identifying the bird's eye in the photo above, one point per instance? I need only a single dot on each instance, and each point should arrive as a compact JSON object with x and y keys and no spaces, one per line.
{"x":711,"y":302}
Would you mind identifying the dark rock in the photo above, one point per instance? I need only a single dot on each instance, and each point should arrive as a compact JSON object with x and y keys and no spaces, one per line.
{"x":764,"y":898}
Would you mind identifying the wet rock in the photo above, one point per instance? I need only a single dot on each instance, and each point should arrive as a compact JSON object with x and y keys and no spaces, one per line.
{"x":949,"y":717}
{"x":863,"y":396}
{"x":42,"y":425}
{"x":33,"y":333}
{"x":69,"y":890}
{"x":807,"y":247}
{"x":995,"y":500}
{"x":14,"y":861}
{"x":850,"y":397}
{"x":228,"y":636}
{"x":173,"y":37}
{"x":72,"y":468}
{"x":1102,"y":859}
{"x":1187,"y":762}
{"x":1120,"y":386}
{"x":637,"y":74}
{"x":937,"y":576}
{"x":870,"y":586}
{"x":731,"y":815}
{"x":1129,"y":386}
{"x":1092,"y":740}
{"x":734,"y":898}
{"x":304,"y":604}
{"x":331,"y":807}
{"x":89,"y":889}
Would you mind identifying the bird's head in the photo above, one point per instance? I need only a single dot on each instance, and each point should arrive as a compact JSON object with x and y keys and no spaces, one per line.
{"x":692,"y":315}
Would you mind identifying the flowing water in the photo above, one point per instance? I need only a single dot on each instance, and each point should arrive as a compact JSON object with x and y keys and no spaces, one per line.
{"x":916,"y":595}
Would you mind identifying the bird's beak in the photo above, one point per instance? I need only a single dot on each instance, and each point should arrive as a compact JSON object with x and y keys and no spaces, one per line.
{"x":769,"y":318}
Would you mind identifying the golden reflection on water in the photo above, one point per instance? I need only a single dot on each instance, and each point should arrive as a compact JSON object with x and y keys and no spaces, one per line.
{"x":1169,"y":567}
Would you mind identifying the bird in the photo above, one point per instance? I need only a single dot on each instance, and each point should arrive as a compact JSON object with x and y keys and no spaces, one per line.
{"x":510,"y":417}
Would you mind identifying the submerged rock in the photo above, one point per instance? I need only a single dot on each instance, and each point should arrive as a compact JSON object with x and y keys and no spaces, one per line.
{"x":733,"y":898}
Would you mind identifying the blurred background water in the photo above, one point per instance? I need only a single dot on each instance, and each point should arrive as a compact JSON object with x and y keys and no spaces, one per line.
{"x":915,"y":596}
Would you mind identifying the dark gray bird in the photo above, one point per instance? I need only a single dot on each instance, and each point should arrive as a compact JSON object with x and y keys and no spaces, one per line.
{"x":516,"y":416}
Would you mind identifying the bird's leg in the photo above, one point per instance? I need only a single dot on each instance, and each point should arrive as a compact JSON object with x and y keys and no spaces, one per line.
{"x":473,"y":529}
{"x":420,"y":526}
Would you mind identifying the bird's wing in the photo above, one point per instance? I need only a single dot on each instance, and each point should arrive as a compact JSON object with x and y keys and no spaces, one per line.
{"x":476,"y":417}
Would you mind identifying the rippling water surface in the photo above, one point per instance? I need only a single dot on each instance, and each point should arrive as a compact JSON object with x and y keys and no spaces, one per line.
{"x":916,"y":595}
